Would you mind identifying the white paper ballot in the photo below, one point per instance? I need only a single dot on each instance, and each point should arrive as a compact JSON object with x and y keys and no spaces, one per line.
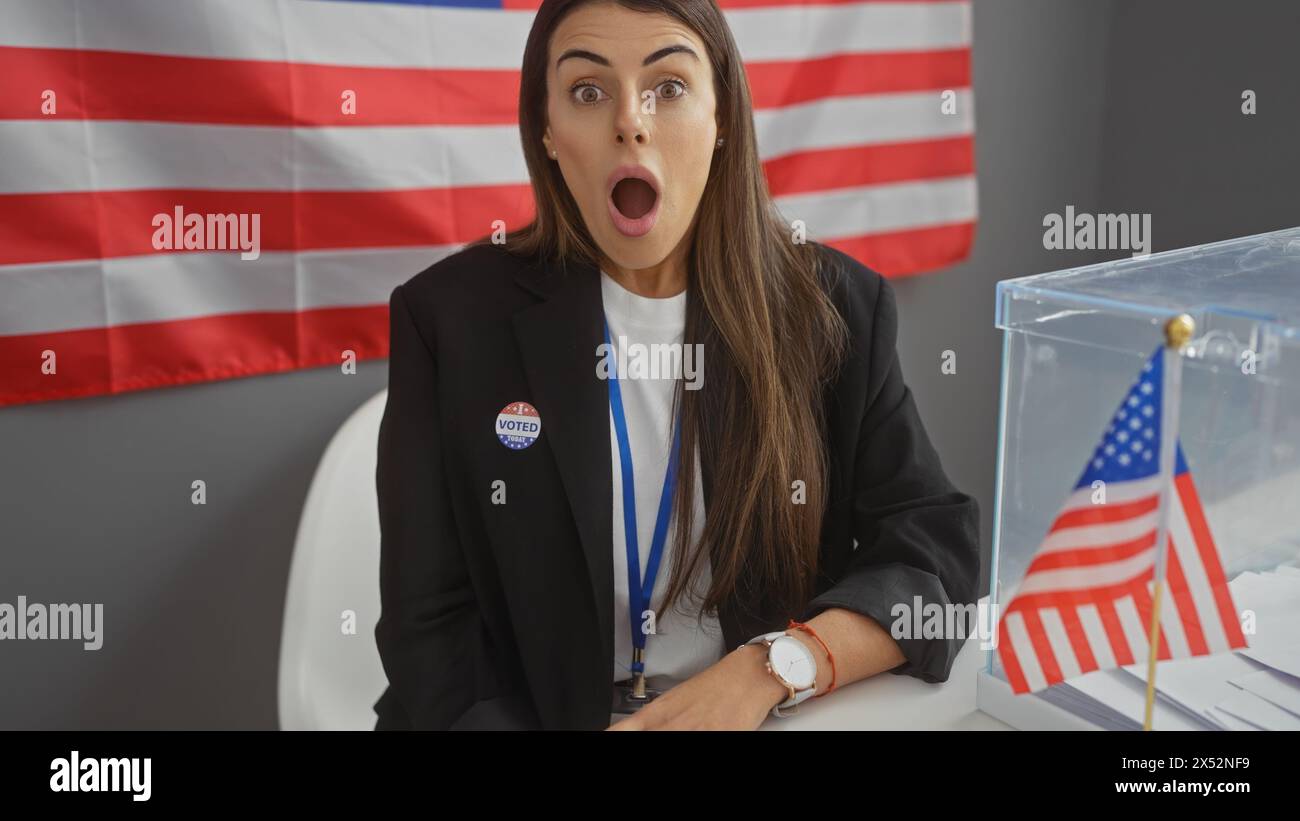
{"x":1274,"y":600}
{"x":1127,"y":696}
{"x":1252,"y":708}
{"x":1231,"y":722}
{"x":1202,"y":682}
{"x":1284,"y":659}
{"x":1274,"y":687}
{"x":1199,"y":683}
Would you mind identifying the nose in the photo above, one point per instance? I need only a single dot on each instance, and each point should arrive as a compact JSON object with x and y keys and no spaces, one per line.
{"x":630,"y":126}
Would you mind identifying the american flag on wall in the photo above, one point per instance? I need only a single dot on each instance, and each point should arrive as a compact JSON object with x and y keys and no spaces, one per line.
{"x":1086,"y":600}
{"x":371,"y":139}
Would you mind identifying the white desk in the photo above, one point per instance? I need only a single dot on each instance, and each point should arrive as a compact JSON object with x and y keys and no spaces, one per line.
{"x":897,"y":702}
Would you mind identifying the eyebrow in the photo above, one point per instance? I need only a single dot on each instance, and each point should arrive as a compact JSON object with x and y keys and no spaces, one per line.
{"x":653,"y":57}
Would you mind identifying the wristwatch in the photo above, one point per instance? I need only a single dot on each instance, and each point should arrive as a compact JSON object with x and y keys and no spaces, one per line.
{"x":791,"y":663}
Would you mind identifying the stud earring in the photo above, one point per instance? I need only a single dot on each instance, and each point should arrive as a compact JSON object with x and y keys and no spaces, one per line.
{"x":720,"y":141}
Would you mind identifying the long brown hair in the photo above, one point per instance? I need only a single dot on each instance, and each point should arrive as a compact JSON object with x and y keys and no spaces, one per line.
{"x":771,"y":335}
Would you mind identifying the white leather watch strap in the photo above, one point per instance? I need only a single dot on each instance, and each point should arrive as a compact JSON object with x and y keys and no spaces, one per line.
{"x":800,"y":696}
{"x":766,"y":638}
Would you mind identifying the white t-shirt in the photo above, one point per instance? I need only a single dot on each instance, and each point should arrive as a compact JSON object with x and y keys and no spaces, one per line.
{"x":679,"y":647}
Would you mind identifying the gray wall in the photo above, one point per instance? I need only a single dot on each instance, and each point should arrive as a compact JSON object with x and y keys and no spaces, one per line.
{"x":96,"y":508}
{"x":1103,"y":105}
{"x":1040,"y":113}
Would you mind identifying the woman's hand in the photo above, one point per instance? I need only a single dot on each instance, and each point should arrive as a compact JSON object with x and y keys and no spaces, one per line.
{"x":735,"y":693}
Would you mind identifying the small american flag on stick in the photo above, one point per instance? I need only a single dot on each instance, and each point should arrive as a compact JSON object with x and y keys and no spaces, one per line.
{"x":1087,"y":598}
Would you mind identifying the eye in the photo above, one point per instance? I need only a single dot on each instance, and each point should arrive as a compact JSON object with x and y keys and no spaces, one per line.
{"x":679,"y":84}
{"x":582,"y":98}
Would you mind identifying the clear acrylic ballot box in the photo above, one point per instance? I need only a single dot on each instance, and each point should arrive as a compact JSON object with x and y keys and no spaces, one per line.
{"x":1073,"y":343}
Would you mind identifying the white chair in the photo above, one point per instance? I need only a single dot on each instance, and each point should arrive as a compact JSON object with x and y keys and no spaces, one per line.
{"x":330,"y":679}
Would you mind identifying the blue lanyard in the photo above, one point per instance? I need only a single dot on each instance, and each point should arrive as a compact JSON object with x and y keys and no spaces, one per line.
{"x":639,"y":592}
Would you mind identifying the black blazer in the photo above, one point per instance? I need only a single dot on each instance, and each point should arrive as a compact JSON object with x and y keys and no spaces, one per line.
{"x":503,"y":615}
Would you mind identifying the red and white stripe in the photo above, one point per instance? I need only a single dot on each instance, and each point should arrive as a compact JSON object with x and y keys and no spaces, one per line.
{"x":233,"y":106}
{"x":1086,"y":599}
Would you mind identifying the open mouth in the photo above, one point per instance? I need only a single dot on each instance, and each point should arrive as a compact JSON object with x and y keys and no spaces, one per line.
{"x":634,"y":197}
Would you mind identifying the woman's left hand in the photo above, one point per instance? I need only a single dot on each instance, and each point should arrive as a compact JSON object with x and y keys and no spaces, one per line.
{"x":735,"y":693}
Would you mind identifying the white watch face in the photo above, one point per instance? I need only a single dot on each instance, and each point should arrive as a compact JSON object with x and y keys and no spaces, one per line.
{"x":792,"y":661}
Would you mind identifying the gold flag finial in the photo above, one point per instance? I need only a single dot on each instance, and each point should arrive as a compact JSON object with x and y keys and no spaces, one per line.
{"x":1179,"y":330}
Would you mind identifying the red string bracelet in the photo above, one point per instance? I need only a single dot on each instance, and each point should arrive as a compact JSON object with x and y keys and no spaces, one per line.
{"x":800,"y":626}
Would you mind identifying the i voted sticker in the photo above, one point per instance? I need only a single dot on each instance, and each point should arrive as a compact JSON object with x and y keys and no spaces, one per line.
{"x":518,"y":425}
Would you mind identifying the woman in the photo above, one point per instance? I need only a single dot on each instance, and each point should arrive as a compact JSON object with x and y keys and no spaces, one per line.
{"x":528,"y":482}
